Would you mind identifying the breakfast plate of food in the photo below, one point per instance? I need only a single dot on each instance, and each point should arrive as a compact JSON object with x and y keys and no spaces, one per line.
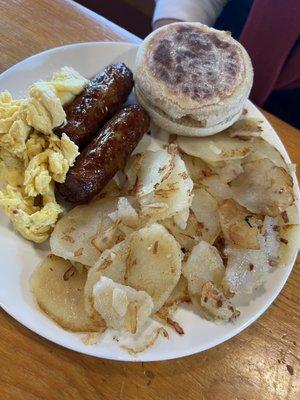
{"x":149,"y":211}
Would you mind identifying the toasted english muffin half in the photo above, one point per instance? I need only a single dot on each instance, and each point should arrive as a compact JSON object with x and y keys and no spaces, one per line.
{"x":188,"y":71}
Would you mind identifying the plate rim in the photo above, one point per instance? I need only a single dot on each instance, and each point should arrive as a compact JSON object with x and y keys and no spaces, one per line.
{"x":190,"y":350}
{"x":65,"y":46}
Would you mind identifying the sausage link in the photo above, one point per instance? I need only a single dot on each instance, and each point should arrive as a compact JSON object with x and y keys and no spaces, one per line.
{"x":105,"y":155}
{"x":102,"y":98}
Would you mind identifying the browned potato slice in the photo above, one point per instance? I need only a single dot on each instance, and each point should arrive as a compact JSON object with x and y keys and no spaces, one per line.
{"x":290,"y":215}
{"x":263,"y":188}
{"x":245,"y":128}
{"x":125,"y":214}
{"x":122,"y":307}
{"x":205,"y":208}
{"x":281,"y":241}
{"x":216,"y":148}
{"x":246,"y":269}
{"x":239,"y":226}
{"x":271,"y":243}
{"x":85,"y":231}
{"x":188,"y":237}
{"x":219,"y":189}
{"x":147,"y":170}
{"x":179,"y":295}
{"x":196,"y":168}
{"x":149,"y":260}
{"x":155,"y":167}
{"x":111,"y":264}
{"x":154,"y":263}
{"x":131,"y":170}
{"x":216,"y":304}
{"x":175,"y":192}
{"x":229,"y":171}
{"x":289,"y":239}
{"x":203,"y":264}
{"x":58,"y":288}
{"x":263,"y":149}
{"x":204,"y":271}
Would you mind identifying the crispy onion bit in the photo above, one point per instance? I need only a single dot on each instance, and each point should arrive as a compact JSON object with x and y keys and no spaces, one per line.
{"x":216,"y":304}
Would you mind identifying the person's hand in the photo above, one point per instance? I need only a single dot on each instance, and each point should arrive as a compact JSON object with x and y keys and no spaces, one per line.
{"x":164,"y":21}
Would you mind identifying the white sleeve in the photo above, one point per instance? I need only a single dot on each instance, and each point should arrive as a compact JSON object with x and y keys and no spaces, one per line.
{"x":205,"y":11}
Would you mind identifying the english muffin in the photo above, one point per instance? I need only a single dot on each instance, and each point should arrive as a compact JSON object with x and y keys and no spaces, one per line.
{"x":193,"y":80}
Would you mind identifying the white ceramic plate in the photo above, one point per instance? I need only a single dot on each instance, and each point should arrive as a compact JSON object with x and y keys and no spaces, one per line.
{"x":19,"y":257}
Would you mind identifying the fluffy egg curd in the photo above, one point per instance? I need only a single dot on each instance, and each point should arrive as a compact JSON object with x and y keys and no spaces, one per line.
{"x":32,"y":157}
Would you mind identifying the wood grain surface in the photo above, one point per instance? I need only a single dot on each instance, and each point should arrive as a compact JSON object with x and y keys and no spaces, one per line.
{"x":262,"y":363}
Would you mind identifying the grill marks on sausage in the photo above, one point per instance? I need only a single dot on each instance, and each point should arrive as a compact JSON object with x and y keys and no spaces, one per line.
{"x":102,"y":97}
{"x":105,"y":155}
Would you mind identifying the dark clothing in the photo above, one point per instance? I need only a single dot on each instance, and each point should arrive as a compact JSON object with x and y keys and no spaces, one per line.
{"x":270,"y":31}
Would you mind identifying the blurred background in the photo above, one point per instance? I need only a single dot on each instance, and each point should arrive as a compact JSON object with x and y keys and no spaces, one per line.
{"x":271,"y":36}
{"x":133,"y":15}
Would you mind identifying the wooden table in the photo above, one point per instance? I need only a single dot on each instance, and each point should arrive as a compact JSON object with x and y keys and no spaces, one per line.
{"x":262,"y":363}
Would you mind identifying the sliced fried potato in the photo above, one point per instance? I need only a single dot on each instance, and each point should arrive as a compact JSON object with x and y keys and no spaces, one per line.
{"x":263,"y":188}
{"x":246,"y":269}
{"x":180,"y":294}
{"x":196,"y":168}
{"x":149,"y":260}
{"x":270,"y":232}
{"x":126,"y":213}
{"x":181,"y":218}
{"x":155,"y":167}
{"x":153,"y":211}
{"x":219,"y":189}
{"x":131,"y":170}
{"x":146,"y":171}
{"x":282,"y":240}
{"x":289,"y":243}
{"x":245,"y":128}
{"x":58,"y":288}
{"x":78,"y":235}
{"x":111,"y":264}
{"x":154,"y":263}
{"x":229,"y":171}
{"x":290,"y":215}
{"x":188,"y":237}
{"x":121,"y":307}
{"x":205,"y":208}
{"x":216,"y":148}
{"x":175,"y":192}
{"x":216,"y":304}
{"x":239,"y":226}
{"x":108,"y":238}
{"x":263,"y":149}
{"x":80,"y":267}
{"x":220,"y":244}
{"x":204,"y":271}
{"x":203,"y":264}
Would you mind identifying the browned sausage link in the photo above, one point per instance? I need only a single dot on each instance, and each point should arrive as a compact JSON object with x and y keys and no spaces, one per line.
{"x":105,"y":155}
{"x":102,"y":97}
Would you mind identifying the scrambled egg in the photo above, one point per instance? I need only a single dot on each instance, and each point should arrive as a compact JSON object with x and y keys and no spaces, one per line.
{"x":32,"y":157}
